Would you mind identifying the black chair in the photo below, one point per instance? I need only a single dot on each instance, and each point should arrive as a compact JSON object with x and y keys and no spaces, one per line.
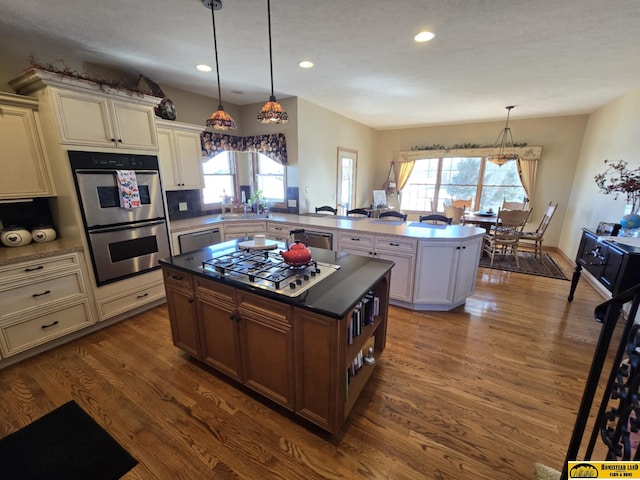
{"x":359,"y":211}
{"x":393,"y":214}
{"x":436,"y":218}
{"x":327,"y":208}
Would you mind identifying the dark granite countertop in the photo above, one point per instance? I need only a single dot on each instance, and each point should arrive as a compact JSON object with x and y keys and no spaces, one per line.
{"x":333,"y":297}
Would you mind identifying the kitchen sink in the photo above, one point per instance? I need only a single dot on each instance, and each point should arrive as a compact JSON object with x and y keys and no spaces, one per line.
{"x":242,"y":216}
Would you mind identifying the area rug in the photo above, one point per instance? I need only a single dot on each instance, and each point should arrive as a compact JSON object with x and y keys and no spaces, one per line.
{"x":64,"y":444}
{"x":528,"y":264}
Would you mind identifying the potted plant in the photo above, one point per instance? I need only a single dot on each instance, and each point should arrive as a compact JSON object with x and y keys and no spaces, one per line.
{"x":256,"y":200}
{"x":618,"y":179}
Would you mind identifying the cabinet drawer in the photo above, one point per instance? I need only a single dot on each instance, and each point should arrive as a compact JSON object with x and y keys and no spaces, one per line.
{"x":245,"y":227}
{"x":396,"y":244}
{"x":23,"y":334}
{"x":215,"y":290}
{"x":279,"y":228}
{"x":355,"y":240}
{"x":112,"y":306}
{"x":177,"y":278}
{"x":37,"y":268}
{"x":40,"y":292}
{"x":264,"y":308}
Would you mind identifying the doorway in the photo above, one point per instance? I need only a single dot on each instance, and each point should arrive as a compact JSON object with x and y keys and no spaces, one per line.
{"x":346,"y":181}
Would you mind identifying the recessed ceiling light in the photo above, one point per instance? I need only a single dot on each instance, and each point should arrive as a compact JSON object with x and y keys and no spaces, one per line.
{"x":305,"y":64}
{"x":203,"y":68}
{"x":424,"y":36}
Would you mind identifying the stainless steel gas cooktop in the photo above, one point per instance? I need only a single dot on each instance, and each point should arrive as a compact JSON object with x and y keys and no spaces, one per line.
{"x":267,"y":270}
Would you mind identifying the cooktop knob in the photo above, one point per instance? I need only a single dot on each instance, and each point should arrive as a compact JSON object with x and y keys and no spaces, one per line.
{"x":312,"y":273}
{"x":305,"y":277}
{"x":298,"y":281}
{"x":292,"y":285}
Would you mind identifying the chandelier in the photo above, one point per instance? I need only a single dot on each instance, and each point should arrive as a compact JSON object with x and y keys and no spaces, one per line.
{"x":219,"y":120}
{"x":504,"y":144}
{"x":272,"y":111}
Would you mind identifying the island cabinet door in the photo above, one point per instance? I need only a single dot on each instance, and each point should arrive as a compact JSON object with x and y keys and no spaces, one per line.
{"x":182,"y":315}
{"x":219,"y":328}
{"x":435,"y":272}
{"x":319,"y":378}
{"x":267,"y":347}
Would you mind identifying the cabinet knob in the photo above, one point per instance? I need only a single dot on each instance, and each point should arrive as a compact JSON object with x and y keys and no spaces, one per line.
{"x":190,"y":300}
{"x":113,"y":140}
{"x":119,"y":140}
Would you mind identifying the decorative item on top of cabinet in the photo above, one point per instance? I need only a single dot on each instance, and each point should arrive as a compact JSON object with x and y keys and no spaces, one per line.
{"x":26,"y":173}
{"x":180,"y":155}
{"x":87,"y":115}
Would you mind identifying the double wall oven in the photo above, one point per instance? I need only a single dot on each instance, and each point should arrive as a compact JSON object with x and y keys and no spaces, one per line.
{"x":123,"y":241}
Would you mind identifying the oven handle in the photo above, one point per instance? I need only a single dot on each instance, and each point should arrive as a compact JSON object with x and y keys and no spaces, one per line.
{"x":128,"y":226}
{"x":112,"y":172}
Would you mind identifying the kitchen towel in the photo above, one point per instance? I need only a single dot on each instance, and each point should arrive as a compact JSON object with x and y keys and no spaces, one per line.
{"x":128,"y":186}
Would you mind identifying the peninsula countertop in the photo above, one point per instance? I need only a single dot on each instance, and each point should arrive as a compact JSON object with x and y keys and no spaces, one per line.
{"x":359,"y":224}
{"x":334,"y":296}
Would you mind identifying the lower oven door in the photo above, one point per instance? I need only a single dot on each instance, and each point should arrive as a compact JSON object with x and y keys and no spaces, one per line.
{"x":124,"y":251}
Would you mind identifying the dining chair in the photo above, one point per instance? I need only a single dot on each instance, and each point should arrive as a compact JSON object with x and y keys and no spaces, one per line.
{"x":456,"y":214}
{"x":505,"y":237}
{"x":391,"y":214}
{"x":327,"y":208}
{"x":359,"y":211}
{"x":466,"y":204}
{"x":513,"y":205}
{"x":535,"y":237}
{"x":435,"y":218}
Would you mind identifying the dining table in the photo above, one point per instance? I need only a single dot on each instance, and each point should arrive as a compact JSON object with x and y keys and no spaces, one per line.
{"x":482,"y":219}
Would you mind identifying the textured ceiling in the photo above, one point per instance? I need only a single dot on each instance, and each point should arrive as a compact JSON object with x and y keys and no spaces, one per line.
{"x":548,"y":57}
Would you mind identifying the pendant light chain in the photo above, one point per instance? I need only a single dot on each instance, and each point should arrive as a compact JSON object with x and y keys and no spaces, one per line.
{"x":272,"y":112}
{"x":219,"y":120}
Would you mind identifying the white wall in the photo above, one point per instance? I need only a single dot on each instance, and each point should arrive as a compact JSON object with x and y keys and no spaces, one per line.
{"x":320,"y":133}
{"x":611,"y":133}
{"x":560,"y":138}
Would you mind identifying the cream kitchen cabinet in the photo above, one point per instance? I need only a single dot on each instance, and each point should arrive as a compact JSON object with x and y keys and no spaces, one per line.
{"x":446,"y":272}
{"x":89,"y":115}
{"x":101,"y":121}
{"x":25,"y":167}
{"x":180,"y":155}
{"x":279,"y":231}
{"x":400,"y":250}
{"x":42,"y":300}
{"x":241,"y":229}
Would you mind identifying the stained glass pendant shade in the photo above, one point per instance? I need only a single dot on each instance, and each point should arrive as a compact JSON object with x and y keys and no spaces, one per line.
{"x":219,"y":120}
{"x":272,"y":111}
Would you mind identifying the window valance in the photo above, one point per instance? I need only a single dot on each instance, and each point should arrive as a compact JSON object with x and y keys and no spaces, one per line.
{"x":273,"y":146}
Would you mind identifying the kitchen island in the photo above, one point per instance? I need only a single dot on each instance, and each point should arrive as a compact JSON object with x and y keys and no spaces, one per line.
{"x":311,"y":349}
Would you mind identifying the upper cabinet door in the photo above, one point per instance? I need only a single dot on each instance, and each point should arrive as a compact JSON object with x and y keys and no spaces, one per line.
{"x":180,"y":156}
{"x":83,"y":119}
{"x":135,"y":124}
{"x":98,"y":121}
{"x":25,"y":170}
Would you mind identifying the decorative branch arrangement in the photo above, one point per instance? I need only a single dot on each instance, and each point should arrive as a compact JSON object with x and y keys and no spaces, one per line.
{"x":618,"y":179}
{"x":63,"y":70}
{"x":458,"y":146}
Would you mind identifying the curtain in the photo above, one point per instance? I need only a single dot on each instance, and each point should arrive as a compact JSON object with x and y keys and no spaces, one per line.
{"x":527,"y":173}
{"x":273,"y":146}
{"x":403,"y":173}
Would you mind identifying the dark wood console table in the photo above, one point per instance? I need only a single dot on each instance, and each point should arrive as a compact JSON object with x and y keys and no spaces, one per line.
{"x":614,"y":265}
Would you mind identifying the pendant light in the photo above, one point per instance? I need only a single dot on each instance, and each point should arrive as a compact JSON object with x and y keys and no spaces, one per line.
{"x":219,"y":120}
{"x":272,"y":111}
{"x":504,"y":144}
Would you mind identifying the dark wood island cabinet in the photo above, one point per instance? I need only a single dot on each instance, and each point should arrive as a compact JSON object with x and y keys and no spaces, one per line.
{"x":305,"y":353}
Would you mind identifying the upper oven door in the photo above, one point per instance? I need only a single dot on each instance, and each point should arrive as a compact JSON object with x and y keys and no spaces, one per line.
{"x":100,"y":197}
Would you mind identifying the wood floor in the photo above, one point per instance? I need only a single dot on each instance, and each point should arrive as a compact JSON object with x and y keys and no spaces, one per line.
{"x":481,"y":392}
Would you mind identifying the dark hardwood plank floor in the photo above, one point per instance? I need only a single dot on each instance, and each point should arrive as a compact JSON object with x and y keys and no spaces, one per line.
{"x":481,"y":392}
